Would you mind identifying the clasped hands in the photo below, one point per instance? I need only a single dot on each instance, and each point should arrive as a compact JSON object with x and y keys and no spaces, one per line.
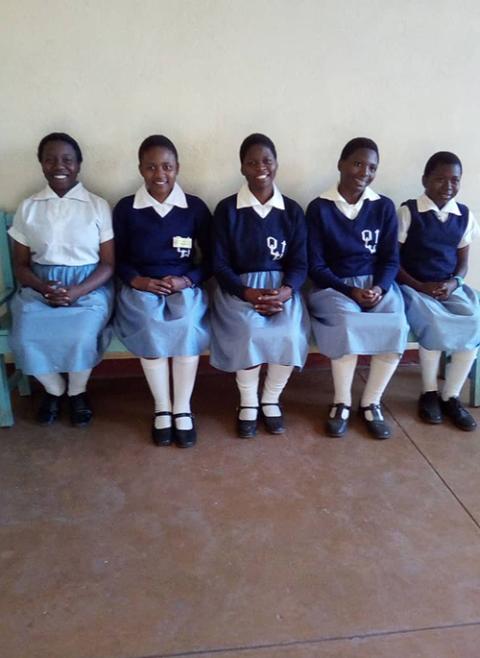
{"x":267,"y":301}
{"x":57,"y":294}
{"x":166,"y":285}
{"x":440,"y":290}
{"x":367,"y":297}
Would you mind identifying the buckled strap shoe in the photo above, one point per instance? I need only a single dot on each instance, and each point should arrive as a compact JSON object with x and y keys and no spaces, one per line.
{"x":246,"y":429}
{"x":185,"y":438}
{"x":375,"y":422}
{"x":337,"y":422}
{"x":49,"y":409}
{"x":457,"y":413}
{"x":429,"y":408}
{"x":162,"y":436}
{"x":81,"y":413}
{"x":273,"y":424}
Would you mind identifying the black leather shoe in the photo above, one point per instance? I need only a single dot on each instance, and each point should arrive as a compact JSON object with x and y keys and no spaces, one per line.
{"x":429,"y":408}
{"x":246,"y":429}
{"x":377,"y":426}
{"x":336,"y":424}
{"x":163,"y":436}
{"x":49,"y":409}
{"x":80,"y":412}
{"x":185,"y":438}
{"x":457,"y":413}
{"x":273,"y":424}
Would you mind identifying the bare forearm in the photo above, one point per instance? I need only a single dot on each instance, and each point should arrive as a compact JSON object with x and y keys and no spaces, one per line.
{"x":26,"y":277}
{"x":97,"y":278}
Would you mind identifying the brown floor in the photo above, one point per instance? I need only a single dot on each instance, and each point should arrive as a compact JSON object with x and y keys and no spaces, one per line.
{"x":292,"y":547}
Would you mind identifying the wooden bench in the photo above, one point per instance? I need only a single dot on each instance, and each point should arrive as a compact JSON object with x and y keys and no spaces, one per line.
{"x":18,"y":380}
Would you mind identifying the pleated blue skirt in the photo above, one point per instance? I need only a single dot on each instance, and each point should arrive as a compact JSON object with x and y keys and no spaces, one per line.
{"x":341,"y":327}
{"x":152,"y":326}
{"x":452,"y":325}
{"x":60,"y":339}
{"x":242,"y":338}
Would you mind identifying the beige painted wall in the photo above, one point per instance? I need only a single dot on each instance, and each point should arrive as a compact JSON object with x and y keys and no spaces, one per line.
{"x":311,"y":74}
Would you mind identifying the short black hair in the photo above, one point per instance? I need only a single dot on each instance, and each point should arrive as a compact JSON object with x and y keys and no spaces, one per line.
{"x":59,"y":137}
{"x":253,"y":140}
{"x":358,"y":143}
{"x":442,"y":158}
{"x":157,"y":140}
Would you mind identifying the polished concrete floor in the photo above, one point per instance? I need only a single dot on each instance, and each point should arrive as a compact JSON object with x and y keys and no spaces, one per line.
{"x":296,"y":546}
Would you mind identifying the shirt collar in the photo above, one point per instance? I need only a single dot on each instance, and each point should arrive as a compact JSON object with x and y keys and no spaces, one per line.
{"x":334,"y":195}
{"x":245,"y":199}
{"x":145,"y":200}
{"x":79,"y":193}
{"x":424,"y":204}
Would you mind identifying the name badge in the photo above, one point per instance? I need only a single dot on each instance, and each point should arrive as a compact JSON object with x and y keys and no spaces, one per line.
{"x":182,"y":243}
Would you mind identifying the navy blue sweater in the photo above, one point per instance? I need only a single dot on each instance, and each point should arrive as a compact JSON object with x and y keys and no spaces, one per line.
{"x":244,"y":242}
{"x":144,"y":241}
{"x":339,"y":247}
{"x":430,"y":251}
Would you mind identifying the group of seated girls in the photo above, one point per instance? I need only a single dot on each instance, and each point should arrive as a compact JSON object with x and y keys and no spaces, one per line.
{"x":372,"y":277}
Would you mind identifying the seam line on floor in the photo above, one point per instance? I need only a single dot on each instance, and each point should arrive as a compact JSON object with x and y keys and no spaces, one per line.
{"x":299,"y":643}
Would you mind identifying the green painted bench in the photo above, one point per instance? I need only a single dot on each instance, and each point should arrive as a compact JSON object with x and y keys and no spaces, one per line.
{"x":18,"y":380}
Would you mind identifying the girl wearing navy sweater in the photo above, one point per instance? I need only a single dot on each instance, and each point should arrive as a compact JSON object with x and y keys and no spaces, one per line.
{"x":161,"y":309}
{"x":435,"y":233}
{"x":260,"y":264}
{"x":355,"y":305}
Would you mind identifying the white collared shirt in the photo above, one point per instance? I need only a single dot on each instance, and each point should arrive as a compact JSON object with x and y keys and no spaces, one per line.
{"x":424,"y":204}
{"x":64,"y":230}
{"x":145,"y":200}
{"x":246,"y":199}
{"x":350,"y":210}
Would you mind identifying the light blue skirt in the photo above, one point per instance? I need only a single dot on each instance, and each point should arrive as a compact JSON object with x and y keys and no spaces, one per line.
{"x":341,"y":327}
{"x":152,"y":326}
{"x":60,"y":339}
{"x":242,"y":338}
{"x":452,"y":325}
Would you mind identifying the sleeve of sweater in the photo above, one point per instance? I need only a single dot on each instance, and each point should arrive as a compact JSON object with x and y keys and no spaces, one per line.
{"x":296,"y":264}
{"x":388,"y":261}
{"x":202,"y":269}
{"x":319,"y":271}
{"x":123,"y":267}
{"x":226,"y":276}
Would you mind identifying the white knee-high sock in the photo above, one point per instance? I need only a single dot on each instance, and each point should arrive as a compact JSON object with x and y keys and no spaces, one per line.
{"x":382,"y":367}
{"x":247,"y":382}
{"x":77,"y":381}
{"x":275,"y":381}
{"x":184,"y":370}
{"x":343,"y":370}
{"x":53,"y":382}
{"x":429,"y":364}
{"x":157,"y":376}
{"x":457,"y":373}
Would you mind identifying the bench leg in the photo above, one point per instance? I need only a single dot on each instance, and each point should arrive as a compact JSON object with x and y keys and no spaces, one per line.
{"x":475,"y":383}
{"x":24,"y":385}
{"x":6,"y":415}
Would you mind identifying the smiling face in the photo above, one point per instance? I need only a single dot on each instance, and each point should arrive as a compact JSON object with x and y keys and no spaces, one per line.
{"x":159,"y":168}
{"x":357,"y":171}
{"x":259,"y":167}
{"x":443,"y":183}
{"x":60,"y":166}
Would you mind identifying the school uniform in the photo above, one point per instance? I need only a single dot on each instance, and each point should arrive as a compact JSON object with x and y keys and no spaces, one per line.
{"x":354,"y":245}
{"x":154,"y":239}
{"x":429,"y":239}
{"x":64,"y":236}
{"x":258,"y":246}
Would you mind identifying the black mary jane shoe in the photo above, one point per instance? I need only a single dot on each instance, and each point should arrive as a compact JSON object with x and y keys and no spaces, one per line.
{"x":81,"y":413}
{"x":429,"y":408}
{"x":49,"y":409}
{"x":185,"y":438}
{"x":163,"y":436}
{"x":336,"y":425}
{"x":273,"y":424}
{"x":376,"y":426}
{"x":460,"y":417}
{"x":246,"y":429}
